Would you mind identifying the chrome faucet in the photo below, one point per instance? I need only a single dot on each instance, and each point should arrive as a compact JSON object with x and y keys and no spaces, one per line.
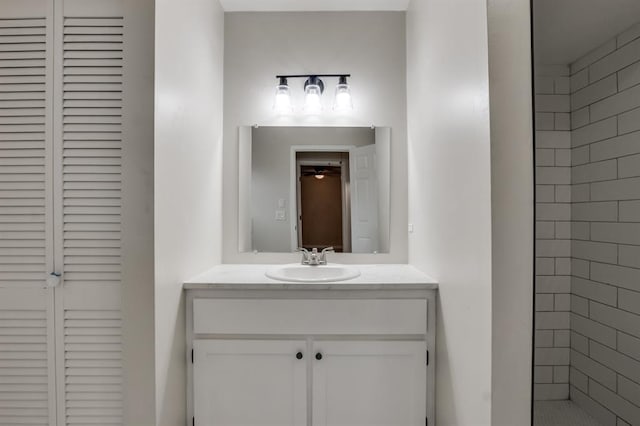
{"x":313,"y":257}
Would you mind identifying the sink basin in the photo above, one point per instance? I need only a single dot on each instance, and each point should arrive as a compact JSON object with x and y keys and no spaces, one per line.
{"x":295,"y":272}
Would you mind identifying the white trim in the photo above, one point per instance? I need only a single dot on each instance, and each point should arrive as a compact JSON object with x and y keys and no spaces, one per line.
{"x":55,"y":103}
{"x":313,"y":6}
{"x":245,"y":224}
{"x":383,"y":176}
{"x":50,"y":232}
{"x":345,"y":176}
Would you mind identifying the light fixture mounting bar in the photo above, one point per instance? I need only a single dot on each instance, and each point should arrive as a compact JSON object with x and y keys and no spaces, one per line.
{"x":312,"y":75}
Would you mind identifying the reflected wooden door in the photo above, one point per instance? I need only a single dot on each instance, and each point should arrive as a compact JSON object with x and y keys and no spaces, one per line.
{"x":321,"y":211}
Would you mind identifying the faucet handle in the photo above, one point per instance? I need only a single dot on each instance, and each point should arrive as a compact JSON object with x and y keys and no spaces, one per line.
{"x":323,"y":254}
{"x":306,"y":255}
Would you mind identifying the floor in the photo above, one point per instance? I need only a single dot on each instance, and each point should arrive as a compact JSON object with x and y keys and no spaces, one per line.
{"x":561,"y":413}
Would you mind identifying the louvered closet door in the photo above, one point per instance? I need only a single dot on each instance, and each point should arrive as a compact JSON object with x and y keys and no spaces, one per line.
{"x":27,"y":365}
{"x":88,"y":165}
{"x":60,"y":195}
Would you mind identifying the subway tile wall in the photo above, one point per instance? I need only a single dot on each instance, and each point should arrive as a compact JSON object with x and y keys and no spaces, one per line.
{"x":553,"y":232}
{"x":604,"y":372}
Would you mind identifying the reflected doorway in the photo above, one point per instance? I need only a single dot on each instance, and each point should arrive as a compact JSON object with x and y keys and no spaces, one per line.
{"x":323,"y":200}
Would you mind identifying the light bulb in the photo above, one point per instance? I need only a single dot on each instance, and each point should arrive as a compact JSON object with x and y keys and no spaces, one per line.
{"x":282,"y":101}
{"x":343,"y":101}
{"x":312,"y":100}
{"x":318,"y":176}
{"x":313,"y":89}
{"x":343,"y":98}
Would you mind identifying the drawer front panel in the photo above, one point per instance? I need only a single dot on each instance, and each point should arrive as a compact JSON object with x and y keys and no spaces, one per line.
{"x":310,"y":316}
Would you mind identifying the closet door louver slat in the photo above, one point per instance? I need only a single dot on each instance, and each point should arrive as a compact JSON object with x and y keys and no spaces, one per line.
{"x":22,"y":152}
{"x":91,"y":214}
{"x":92,"y":153}
{"x":24,"y":379}
{"x":93,"y":367}
{"x":25,"y":328}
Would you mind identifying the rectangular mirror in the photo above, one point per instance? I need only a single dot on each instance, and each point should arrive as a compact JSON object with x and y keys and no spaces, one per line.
{"x":314,"y":187}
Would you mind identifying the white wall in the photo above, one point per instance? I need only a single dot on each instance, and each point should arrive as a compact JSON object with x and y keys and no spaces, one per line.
{"x":450,"y":194}
{"x":137,"y":216}
{"x":188,"y":124}
{"x":512,"y":209}
{"x":370,"y":46}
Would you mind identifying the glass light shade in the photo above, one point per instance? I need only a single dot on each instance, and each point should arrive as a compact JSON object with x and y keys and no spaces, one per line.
{"x":312,"y":99}
{"x":318,"y":176}
{"x":282,"y":102}
{"x":343,"y":101}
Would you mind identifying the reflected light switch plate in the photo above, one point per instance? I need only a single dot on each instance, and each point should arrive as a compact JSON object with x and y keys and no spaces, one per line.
{"x":280,"y":215}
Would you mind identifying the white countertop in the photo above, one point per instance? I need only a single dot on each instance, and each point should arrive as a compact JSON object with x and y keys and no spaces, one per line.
{"x":372,"y":277}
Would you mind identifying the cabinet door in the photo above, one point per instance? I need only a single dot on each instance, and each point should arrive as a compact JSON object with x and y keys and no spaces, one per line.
{"x":369,"y":383}
{"x":250,"y":383}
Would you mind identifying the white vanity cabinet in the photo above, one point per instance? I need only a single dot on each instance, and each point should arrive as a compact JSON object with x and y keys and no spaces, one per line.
{"x":306,"y":354}
{"x":368,"y":383}
{"x":353,"y":382}
{"x":250,"y":382}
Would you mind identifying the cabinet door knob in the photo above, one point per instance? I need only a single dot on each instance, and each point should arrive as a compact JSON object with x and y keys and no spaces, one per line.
{"x":318,"y":356}
{"x":299,"y":355}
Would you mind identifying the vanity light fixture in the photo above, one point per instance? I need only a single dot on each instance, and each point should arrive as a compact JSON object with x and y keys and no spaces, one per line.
{"x":313,"y":89}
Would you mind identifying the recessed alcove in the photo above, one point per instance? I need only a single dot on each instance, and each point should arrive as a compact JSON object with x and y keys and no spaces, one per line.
{"x":421,"y":67}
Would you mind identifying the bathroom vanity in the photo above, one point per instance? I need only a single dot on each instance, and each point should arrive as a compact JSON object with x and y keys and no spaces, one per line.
{"x":267,"y":352}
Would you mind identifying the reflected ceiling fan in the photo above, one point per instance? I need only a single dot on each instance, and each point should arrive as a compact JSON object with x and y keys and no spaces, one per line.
{"x":319,"y":172}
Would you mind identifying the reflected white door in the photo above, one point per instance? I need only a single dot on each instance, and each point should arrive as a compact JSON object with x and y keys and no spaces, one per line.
{"x":250,"y":382}
{"x":364,"y":200}
{"x":369,"y":383}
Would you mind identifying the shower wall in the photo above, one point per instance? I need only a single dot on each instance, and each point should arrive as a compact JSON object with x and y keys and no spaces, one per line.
{"x":553,"y":215}
{"x":605,"y":231}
